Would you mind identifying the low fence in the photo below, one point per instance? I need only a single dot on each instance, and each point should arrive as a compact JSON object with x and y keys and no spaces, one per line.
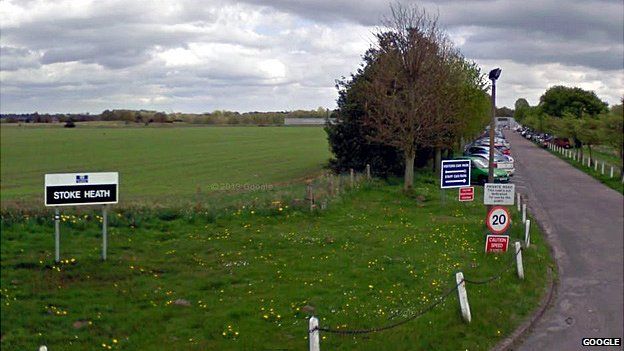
{"x":599,"y":166}
{"x":458,"y":285}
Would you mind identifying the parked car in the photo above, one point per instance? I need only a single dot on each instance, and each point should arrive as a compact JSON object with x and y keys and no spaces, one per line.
{"x":562,"y":142}
{"x":479,"y":171}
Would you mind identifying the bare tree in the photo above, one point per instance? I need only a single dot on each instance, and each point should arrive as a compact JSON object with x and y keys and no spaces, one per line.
{"x":403,"y":94}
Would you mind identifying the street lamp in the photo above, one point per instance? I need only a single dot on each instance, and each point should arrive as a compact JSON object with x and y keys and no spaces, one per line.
{"x":494,"y":74}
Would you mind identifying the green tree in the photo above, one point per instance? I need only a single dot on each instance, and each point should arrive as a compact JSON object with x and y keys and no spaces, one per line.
{"x":560,"y":99}
{"x":521,"y":108}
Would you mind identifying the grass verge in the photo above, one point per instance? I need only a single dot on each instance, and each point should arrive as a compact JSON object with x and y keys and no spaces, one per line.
{"x":614,"y":183}
{"x":249,"y":277}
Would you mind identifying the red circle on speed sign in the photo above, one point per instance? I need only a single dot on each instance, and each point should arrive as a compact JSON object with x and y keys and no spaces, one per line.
{"x":498,"y":220}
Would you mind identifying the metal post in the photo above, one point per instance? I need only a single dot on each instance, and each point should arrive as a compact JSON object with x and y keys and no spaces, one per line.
{"x":104,"y":233}
{"x":368,"y":171}
{"x":57,"y":235}
{"x":492,"y":127}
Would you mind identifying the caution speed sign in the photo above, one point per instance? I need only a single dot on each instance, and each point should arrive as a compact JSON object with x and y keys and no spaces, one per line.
{"x":498,"y":220}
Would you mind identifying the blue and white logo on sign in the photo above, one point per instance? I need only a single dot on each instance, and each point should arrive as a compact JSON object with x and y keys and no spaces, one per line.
{"x":455,"y":174}
{"x":82,"y":179}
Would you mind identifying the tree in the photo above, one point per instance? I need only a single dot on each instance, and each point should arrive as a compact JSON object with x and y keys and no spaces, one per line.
{"x":521,"y":108}
{"x":560,"y":99}
{"x":504,"y":112}
{"x":348,"y":136}
{"x":612,"y":130}
{"x":401,"y":94}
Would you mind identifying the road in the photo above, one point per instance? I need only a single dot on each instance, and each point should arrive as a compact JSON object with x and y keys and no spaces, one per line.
{"x":584,"y":222}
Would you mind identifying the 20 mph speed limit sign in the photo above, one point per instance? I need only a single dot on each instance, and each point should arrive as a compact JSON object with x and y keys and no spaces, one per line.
{"x":498,"y":220}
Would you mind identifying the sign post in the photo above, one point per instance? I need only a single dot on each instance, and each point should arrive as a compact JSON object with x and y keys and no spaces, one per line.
{"x":499,"y":194}
{"x":466,"y":194}
{"x":496,"y":243}
{"x":498,"y":220}
{"x":104,"y":231}
{"x":79,"y":189}
{"x":57,"y":236}
{"x":455,"y":174}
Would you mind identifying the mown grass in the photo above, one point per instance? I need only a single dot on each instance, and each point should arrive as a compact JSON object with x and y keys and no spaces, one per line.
{"x":614,"y":183}
{"x":158,"y":165}
{"x":253,"y":275}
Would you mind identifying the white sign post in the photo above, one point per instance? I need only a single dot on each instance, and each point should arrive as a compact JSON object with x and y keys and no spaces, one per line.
{"x":499,"y":194}
{"x":80,"y":189}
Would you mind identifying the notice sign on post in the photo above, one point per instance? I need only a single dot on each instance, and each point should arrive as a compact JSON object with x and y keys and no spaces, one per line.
{"x":466,"y":194}
{"x":499,"y":194}
{"x":455,"y":174}
{"x":496,"y":243}
{"x":72,"y":189}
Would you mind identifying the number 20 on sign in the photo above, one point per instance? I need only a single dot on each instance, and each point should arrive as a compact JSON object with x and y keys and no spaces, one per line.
{"x":498,"y":220}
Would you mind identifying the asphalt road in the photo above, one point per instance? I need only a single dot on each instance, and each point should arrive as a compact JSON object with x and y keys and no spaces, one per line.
{"x":584,"y":222}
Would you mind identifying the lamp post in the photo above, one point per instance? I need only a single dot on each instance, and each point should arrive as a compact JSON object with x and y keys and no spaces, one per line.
{"x":494,"y":74}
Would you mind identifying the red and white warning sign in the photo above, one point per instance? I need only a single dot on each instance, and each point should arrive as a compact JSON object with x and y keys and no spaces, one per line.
{"x":466,"y":194}
{"x":498,"y":220}
{"x":496,"y":243}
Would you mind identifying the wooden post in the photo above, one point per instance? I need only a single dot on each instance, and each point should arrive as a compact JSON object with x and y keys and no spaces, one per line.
{"x":463,"y":297}
{"x":527,"y":233}
{"x":330,"y":185}
{"x":368,"y":171}
{"x":523,"y":213}
{"x":310,"y":195}
{"x":352,"y":178}
{"x":313,"y":334}
{"x":519,"y":260}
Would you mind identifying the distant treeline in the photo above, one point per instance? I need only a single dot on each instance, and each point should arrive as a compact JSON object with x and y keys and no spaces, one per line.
{"x":147,"y":117}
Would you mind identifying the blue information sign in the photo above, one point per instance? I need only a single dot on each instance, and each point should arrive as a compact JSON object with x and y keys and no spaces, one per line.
{"x":455,"y":174}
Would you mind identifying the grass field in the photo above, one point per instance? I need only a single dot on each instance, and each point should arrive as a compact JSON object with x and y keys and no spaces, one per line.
{"x":159,"y":165}
{"x":252,"y":276}
{"x":614,"y":183}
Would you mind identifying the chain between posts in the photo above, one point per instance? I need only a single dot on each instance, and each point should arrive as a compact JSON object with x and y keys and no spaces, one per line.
{"x":438,"y":301}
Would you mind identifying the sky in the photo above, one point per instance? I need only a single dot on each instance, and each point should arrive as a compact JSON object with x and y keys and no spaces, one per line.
{"x":68,"y":56}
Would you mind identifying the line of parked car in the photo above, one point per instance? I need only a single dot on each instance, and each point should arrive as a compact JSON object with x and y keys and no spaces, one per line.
{"x":478,"y":152}
{"x":543,"y":139}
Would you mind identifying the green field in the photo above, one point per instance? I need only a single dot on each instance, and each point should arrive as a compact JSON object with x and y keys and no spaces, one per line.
{"x":159,"y":165}
{"x":253,"y":275}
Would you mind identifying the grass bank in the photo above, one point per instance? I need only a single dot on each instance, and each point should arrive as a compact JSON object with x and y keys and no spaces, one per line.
{"x":249,"y":277}
{"x":614,"y":182}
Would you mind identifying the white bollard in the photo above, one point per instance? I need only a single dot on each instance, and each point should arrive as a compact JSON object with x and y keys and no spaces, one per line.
{"x":611,"y":176}
{"x":519,"y":199}
{"x":43,"y":348}
{"x":463,"y":297}
{"x":527,"y":233}
{"x":602,"y":168}
{"x":596,"y":165}
{"x":589,"y":162}
{"x":519,"y":260}
{"x":523,"y":213}
{"x":314,"y":334}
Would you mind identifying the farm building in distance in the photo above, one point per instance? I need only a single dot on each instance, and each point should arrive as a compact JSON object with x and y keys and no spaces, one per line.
{"x":305,"y":121}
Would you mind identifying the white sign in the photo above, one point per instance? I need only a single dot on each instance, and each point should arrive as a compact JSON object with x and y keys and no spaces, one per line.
{"x":499,"y":194}
{"x":64,"y":189}
{"x":498,"y":220}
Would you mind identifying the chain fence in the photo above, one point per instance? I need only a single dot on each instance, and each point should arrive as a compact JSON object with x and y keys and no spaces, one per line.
{"x":423,"y":311}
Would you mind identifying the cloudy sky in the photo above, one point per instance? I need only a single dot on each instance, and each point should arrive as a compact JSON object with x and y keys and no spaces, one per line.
{"x":197,"y":56}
